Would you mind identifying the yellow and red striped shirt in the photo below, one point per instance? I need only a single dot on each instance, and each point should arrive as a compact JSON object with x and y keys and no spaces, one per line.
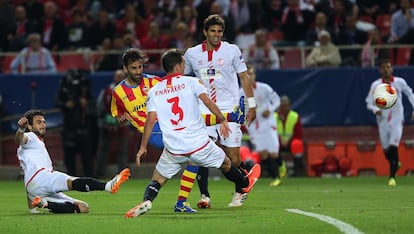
{"x":131,"y":100}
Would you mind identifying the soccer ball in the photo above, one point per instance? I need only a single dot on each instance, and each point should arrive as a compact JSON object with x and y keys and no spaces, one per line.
{"x":384,"y":96}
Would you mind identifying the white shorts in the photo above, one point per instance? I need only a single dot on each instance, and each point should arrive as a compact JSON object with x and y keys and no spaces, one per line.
{"x":266,"y":141}
{"x":390,"y":134}
{"x":49,"y":184}
{"x":209,"y":156}
{"x":234,"y":139}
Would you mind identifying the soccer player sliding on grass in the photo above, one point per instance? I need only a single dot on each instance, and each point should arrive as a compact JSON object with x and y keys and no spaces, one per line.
{"x":174,"y":102}
{"x":45,"y":186}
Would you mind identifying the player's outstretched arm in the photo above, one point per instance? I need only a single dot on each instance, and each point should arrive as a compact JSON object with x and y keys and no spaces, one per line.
{"x":224,"y":130}
{"x":19,"y":137}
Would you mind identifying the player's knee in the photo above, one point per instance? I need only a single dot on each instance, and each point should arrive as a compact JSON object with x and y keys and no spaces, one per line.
{"x":82,"y":206}
{"x":225,"y":167}
{"x":157,"y":177}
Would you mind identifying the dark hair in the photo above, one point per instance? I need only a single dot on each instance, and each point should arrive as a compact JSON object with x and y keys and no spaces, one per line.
{"x":385,"y":60}
{"x":31,"y":113}
{"x":170,"y":58}
{"x":132,"y":55}
{"x":213,"y":20}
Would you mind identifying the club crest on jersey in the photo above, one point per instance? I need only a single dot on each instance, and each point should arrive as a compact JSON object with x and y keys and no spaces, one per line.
{"x":220,"y":62}
{"x":145,"y":90}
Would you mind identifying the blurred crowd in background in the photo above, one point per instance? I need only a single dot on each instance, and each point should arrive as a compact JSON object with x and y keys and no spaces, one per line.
{"x":108,"y":25}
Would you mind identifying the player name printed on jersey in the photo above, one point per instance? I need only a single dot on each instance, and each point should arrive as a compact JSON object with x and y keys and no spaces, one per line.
{"x":170,"y":89}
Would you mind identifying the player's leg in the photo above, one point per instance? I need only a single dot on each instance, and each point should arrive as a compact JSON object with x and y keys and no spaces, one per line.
{"x":87,"y":184}
{"x":231,"y":146}
{"x":187,"y":182}
{"x":392,"y":151}
{"x":216,"y":158}
{"x":167,"y":166}
{"x":60,"y":203}
{"x":202,"y":181}
{"x":202,"y":175}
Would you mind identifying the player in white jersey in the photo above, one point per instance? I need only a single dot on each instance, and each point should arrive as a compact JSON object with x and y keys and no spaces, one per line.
{"x":45,"y":186}
{"x":218,"y":64}
{"x":174,"y":102}
{"x":262,"y":131}
{"x":390,"y":121}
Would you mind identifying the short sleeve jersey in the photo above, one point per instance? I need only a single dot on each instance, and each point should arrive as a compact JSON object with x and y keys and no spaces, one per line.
{"x":132,"y":100}
{"x":33,"y":156}
{"x":175,"y":100}
{"x":218,"y":69}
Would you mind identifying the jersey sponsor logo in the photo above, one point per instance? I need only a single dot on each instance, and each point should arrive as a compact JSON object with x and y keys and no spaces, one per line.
{"x":139,"y":107}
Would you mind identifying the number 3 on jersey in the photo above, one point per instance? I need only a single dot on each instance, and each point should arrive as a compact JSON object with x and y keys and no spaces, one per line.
{"x":176,"y":110}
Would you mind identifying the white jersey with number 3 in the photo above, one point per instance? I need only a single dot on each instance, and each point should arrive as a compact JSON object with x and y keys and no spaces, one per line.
{"x":175,"y":99}
{"x":218,"y":69}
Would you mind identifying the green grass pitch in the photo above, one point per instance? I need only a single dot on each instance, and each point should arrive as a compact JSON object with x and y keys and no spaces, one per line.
{"x":366,"y":203}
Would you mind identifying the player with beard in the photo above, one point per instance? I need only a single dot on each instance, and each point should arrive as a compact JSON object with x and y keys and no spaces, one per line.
{"x":44,"y":185}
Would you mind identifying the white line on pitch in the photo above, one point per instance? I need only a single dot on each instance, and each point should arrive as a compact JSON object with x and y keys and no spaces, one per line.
{"x":343,"y":227}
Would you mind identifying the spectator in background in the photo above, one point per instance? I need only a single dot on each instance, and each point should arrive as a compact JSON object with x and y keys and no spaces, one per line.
{"x":179,"y":36}
{"x":187,"y":15}
{"x":312,"y":36}
{"x":295,"y":23}
{"x":351,"y":35}
{"x":245,"y":15}
{"x":289,"y":129}
{"x":370,"y":56}
{"x":17,"y":38}
{"x":130,"y":41}
{"x":77,"y":31}
{"x":53,"y":29}
{"x":164,"y":13}
{"x":261,"y":54}
{"x":34,"y":9}
{"x":273,"y":10}
{"x":33,"y":59}
{"x":132,"y":22}
{"x":7,"y":21}
{"x":110,"y":129}
{"x":402,"y":26}
{"x":74,"y":99}
{"x":101,"y":29}
{"x":155,"y":40}
{"x":325,"y":55}
{"x":110,"y":58}
{"x":370,"y":9}
{"x":341,"y":9}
